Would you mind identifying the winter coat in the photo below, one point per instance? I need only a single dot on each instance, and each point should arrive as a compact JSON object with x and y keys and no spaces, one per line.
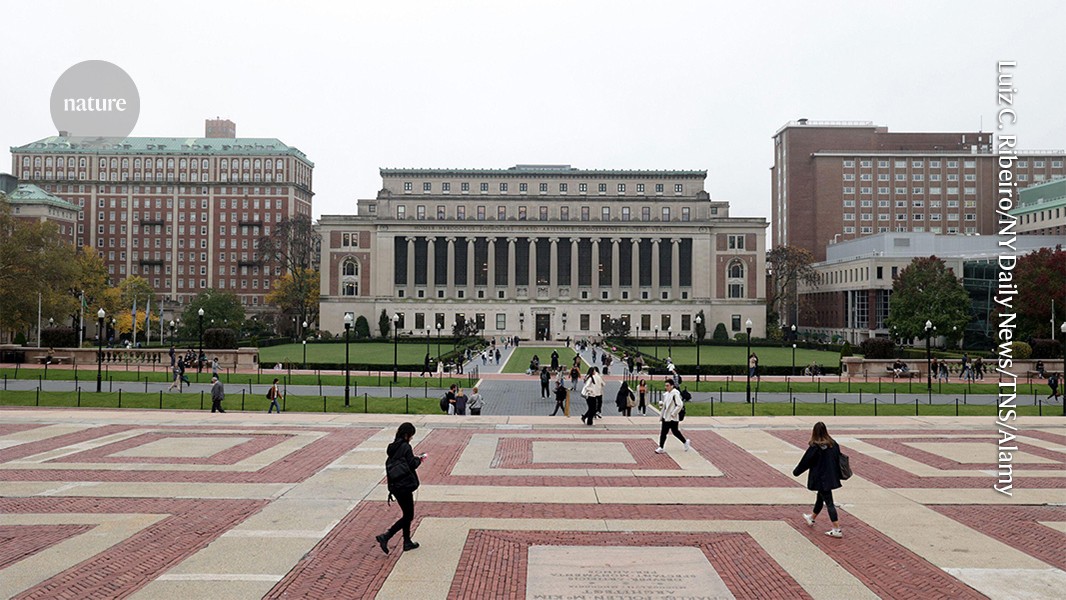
{"x":672,"y":405}
{"x":401,"y":466}
{"x":593,"y":387}
{"x":822,"y":464}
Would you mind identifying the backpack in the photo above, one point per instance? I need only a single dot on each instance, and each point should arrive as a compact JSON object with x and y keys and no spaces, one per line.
{"x":444,"y":403}
{"x":686,"y":395}
{"x":845,"y":467}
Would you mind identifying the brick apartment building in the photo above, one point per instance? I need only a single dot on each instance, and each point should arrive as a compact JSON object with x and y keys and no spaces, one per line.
{"x":30,"y":203}
{"x":835,"y":181}
{"x":183,"y":213}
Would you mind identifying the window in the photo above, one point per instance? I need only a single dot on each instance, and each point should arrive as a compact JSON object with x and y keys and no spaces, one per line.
{"x":521,"y":213}
{"x":666,"y":213}
{"x":605,"y":213}
{"x":583,"y":187}
{"x":621,"y":188}
{"x":420,"y":212}
{"x":350,"y":278}
{"x":543,"y":188}
{"x":445,"y":187}
{"x":562,"y":188}
{"x":407,"y":185}
{"x":686,"y":213}
{"x":736,"y":242}
{"x":564,"y":213}
{"x":427,"y":187}
{"x":501,"y":321}
{"x":544,"y":213}
{"x":645,"y":213}
{"x":460,"y":212}
{"x":441,"y":212}
{"x":625,"y":213}
{"x":484,"y":188}
{"x":640,"y":187}
{"x":481,"y":212}
{"x":464,"y":187}
{"x":602,"y":188}
{"x":735,"y":279}
{"x":350,"y":240}
{"x":584,"y":213}
{"x":658,"y":188}
{"x":678,"y":188}
{"x":523,"y":187}
{"x":503,"y":188}
{"x":401,"y":212}
{"x":501,"y":213}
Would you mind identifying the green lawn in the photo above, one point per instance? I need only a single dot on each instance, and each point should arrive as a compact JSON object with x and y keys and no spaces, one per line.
{"x":818,"y":409}
{"x":378,"y":353}
{"x":357,"y":378}
{"x":520,"y":357}
{"x":738,"y":383}
{"x":737,"y":355}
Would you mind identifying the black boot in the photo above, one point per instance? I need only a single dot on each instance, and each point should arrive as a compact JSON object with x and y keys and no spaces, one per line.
{"x":383,"y":541}
{"x":409,"y":545}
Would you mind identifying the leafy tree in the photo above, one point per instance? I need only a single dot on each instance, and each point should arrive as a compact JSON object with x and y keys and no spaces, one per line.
{"x":616,"y":328}
{"x":292,"y":249}
{"x":288,"y":296}
{"x":222,"y":308}
{"x":701,"y":326}
{"x":466,"y":328}
{"x":135,"y":288}
{"x":362,"y":328}
{"x":91,"y":280}
{"x":1041,"y":279}
{"x":926,"y":290}
{"x":791,"y":266}
{"x":720,"y":333}
{"x":384,"y":324}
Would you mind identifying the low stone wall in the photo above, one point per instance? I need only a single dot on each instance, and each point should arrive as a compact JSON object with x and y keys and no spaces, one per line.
{"x":856,"y":367}
{"x":230,"y":360}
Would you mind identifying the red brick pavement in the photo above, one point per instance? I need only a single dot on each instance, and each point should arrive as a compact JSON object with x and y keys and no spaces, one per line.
{"x":22,"y":541}
{"x":348,"y":564}
{"x":889,"y":476}
{"x":517,"y":453}
{"x":1017,"y":527}
{"x":900,"y":446}
{"x":9,"y":428}
{"x":129,"y":565}
{"x":739,"y":468}
{"x":229,"y":456}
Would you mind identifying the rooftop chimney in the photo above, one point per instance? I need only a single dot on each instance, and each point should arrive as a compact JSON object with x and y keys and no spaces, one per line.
{"x":220,"y":128}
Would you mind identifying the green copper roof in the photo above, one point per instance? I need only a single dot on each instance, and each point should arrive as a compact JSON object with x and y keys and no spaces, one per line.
{"x":539,"y":170}
{"x":164,"y":145}
{"x":27,"y":193}
{"x":1041,"y":196}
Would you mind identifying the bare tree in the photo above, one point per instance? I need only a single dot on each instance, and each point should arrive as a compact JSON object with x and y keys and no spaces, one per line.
{"x":791,"y":266}
{"x":291,"y":250}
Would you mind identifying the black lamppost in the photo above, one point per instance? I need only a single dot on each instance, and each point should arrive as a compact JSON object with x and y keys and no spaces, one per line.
{"x":427,"y":340}
{"x":747,"y":358}
{"x":305,"y":344}
{"x":698,"y":321}
{"x":395,"y":347}
{"x":793,"y":359}
{"x":670,"y":342}
{"x":347,"y":365}
{"x":172,"y":333}
{"x":928,"y":356}
{"x":100,"y":314}
{"x":1062,"y":379}
{"x":440,"y":325}
{"x":200,"y":357}
{"x":656,"y":343}
{"x":793,"y":332}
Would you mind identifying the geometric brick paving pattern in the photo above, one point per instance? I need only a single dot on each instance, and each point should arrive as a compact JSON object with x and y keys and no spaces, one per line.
{"x":184,"y":504}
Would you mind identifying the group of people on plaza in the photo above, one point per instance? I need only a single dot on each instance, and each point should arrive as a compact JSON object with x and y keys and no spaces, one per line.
{"x":457,"y":402}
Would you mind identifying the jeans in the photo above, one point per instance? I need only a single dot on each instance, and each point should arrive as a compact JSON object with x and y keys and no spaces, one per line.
{"x":273,"y":405}
{"x":669,"y":426}
{"x":406,"y":500}
{"x":826,"y":498}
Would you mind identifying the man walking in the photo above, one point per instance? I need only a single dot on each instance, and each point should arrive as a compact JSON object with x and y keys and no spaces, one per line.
{"x":218,"y":394}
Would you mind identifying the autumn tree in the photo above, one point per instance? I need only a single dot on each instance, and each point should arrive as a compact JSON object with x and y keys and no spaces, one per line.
{"x":291,"y":300}
{"x":927,"y":290}
{"x":222,"y":308}
{"x":292,"y":249}
{"x":790,"y":266}
{"x":1041,"y":279}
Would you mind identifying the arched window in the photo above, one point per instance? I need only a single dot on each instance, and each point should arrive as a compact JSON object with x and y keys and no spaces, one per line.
{"x":736,"y":270}
{"x":350,"y":277}
{"x":735,"y":279}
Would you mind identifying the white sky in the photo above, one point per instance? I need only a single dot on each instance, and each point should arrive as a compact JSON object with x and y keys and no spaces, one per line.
{"x":488,"y":84}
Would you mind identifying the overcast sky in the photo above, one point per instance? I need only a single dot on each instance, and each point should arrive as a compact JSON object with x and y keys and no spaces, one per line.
{"x":488,"y":84}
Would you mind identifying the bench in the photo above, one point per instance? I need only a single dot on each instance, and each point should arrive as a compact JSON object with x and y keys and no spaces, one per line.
{"x":55,"y":359}
{"x":908,"y":374}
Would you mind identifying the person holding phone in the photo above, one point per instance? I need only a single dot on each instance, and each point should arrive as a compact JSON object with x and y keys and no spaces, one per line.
{"x":401,"y":468}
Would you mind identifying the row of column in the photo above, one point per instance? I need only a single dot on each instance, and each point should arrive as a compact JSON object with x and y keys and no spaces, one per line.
{"x":553,"y":282}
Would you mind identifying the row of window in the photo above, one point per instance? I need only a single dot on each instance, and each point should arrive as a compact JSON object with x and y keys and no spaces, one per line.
{"x":914,"y":177}
{"x":915,"y":217}
{"x":917,"y":191}
{"x":904,"y":229}
{"x":158,"y":163}
{"x":150,"y":176}
{"x":563,"y":188}
{"x":1043,"y":215}
{"x":848,"y":203}
{"x":625,"y":213}
{"x":936,"y":164}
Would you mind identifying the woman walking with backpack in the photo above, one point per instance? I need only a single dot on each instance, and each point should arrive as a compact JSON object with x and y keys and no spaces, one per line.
{"x":822,"y":463}
{"x":400,"y":472}
{"x":272,"y":395}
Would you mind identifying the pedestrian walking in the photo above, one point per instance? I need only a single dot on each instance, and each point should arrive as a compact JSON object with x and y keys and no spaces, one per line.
{"x":593,"y":393}
{"x":560,"y":399}
{"x":545,"y":381}
{"x":218,"y":394}
{"x":497,"y":356}
{"x":642,"y":391}
{"x":215,"y":368}
{"x":753,"y":366}
{"x":670,"y":416}
{"x":179,"y":376}
{"x":625,"y":400}
{"x":401,"y":473}
{"x":821,"y":461}
{"x":425,"y":366}
{"x":555,"y":361}
{"x":575,"y":374}
{"x":1053,"y":383}
{"x":273,"y":394}
{"x":477,"y":401}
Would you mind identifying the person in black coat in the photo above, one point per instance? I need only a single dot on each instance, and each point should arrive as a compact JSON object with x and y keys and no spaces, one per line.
{"x":401,"y":471}
{"x":822,"y":463}
{"x":560,"y":399}
{"x":545,"y":383}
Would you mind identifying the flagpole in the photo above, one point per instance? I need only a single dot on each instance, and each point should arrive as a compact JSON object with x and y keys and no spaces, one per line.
{"x":38,"y":319}
{"x":134,"y":319}
{"x":81,"y":320}
{"x":148,"y":323}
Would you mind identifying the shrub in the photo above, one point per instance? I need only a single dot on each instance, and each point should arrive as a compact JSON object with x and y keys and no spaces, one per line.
{"x":720,"y":333}
{"x":20,"y":339}
{"x":741,"y":337}
{"x":878,"y":348}
{"x":220,"y":338}
{"x":845,"y":350}
{"x":1021,"y":350}
{"x":362,"y":328}
{"x":59,"y":337}
{"x":1044,"y":348}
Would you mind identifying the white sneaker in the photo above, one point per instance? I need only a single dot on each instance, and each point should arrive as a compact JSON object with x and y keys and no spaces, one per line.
{"x":660,"y":451}
{"x":688,"y":445}
{"x":835,"y":532}
{"x":809,"y":519}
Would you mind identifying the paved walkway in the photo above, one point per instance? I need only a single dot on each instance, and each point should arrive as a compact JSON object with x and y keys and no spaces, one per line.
{"x":176,"y":504}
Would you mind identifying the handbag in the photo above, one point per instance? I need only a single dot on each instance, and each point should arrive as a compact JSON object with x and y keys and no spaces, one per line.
{"x":845,"y":467}
{"x":630,"y":401}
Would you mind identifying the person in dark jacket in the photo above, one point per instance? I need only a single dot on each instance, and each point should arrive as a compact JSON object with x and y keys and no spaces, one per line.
{"x":401,"y":471}
{"x":218,"y":394}
{"x":545,"y":381}
{"x":822,"y":463}
{"x":560,"y":399}
{"x":625,"y":400}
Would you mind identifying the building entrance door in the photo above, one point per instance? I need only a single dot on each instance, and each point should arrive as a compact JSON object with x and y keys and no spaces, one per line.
{"x":543,"y":324}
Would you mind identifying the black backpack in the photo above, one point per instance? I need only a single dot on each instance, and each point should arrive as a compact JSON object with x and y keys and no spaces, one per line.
{"x":444,"y":403}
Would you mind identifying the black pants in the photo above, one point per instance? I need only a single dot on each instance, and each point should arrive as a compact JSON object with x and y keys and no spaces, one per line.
{"x":590,"y":413}
{"x":826,"y":497}
{"x":406,"y":500}
{"x":216,"y":405}
{"x":642,"y":406}
{"x":544,"y":392}
{"x":669,"y":426}
{"x":599,"y":404}
{"x":558,"y":406}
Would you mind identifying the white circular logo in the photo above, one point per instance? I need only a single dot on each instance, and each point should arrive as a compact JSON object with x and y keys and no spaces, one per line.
{"x":95,"y":99}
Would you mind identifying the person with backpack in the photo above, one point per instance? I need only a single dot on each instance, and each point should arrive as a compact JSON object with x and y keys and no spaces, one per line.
{"x":821,"y":461}
{"x":1053,"y":383}
{"x":593,"y":393}
{"x":401,"y":473}
{"x":625,"y":400}
{"x":670,"y":416}
{"x":447,"y":402}
{"x":272,"y":394}
{"x":575,"y":374}
{"x":545,"y":381}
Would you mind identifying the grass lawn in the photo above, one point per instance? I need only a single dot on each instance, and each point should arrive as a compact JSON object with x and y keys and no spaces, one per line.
{"x":818,"y":409}
{"x":805,"y":385}
{"x":377,"y":353}
{"x":520,"y":357}
{"x":358,"y":378}
{"x":737,"y":355}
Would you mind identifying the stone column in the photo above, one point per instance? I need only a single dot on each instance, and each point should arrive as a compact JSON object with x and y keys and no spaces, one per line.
{"x":512,"y":267}
{"x":574,"y":268}
{"x":634,"y":257}
{"x":532,"y":266}
{"x":675,"y":269}
{"x":595,"y":258}
{"x":410,"y":267}
{"x":431,"y":269}
{"x":470,"y":270}
{"x":615,"y":268}
{"x":554,"y":282}
{"x":655,"y":269}
{"x":450,"y":281}
{"x":492,"y":268}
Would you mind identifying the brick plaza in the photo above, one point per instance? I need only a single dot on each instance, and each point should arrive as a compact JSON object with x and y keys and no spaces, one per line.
{"x":154,"y":504}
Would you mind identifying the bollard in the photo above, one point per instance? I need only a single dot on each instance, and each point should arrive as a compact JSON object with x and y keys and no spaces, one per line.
{"x":145,"y":385}
{"x":119,"y":397}
{"x":712,"y":405}
{"x":160,"y":399}
{"x":860,"y":396}
{"x":5,"y":382}
{"x":201,"y":399}
{"x":390,"y":388}
{"x":826,"y":397}
{"x":365,"y":403}
{"x":956,"y":407}
{"x":893,"y":396}
{"x":323,"y":404}
{"x":754,"y":401}
{"x":242,"y":400}
{"x":425,"y":386}
{"x":875,"y":406}
{"x":834,"y":406}
{"x":916,"y":407}
{"x":79,"y":398}
{"x":119,"y":401}
{"x":110,"y":384}
{"x":284,"y":398}
{"x":37,"y":402}
{"x":793,"y":406}
{"x":406,"y":404}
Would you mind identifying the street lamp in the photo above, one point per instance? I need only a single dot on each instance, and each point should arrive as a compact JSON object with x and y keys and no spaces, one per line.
{"x":670,"y":342}
{"x":427,"y":340}
{"x":347,"y":366}
{"x":200,"y":357}
{"x":171,"y":333}
{"x":656,"y":343}
{"x":793,"y":332}
{"x":100,"y":314}
{"x":1062,"y":379}
{"x":440,"y":325}
{"x":747,"y":358}
{"x":521,"y":321}
{"x":564,"y":322}
{"x":698,"y":321}
{"x":305,"y":345}
{"x":793,"y":359}
{"x":928,"y":356}
{"x":395,"y":347}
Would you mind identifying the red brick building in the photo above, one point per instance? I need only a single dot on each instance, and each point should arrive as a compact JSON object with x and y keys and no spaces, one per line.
{"x":183,"y":213}
{"x":30,"y":203}
{"x":834,"y":181}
